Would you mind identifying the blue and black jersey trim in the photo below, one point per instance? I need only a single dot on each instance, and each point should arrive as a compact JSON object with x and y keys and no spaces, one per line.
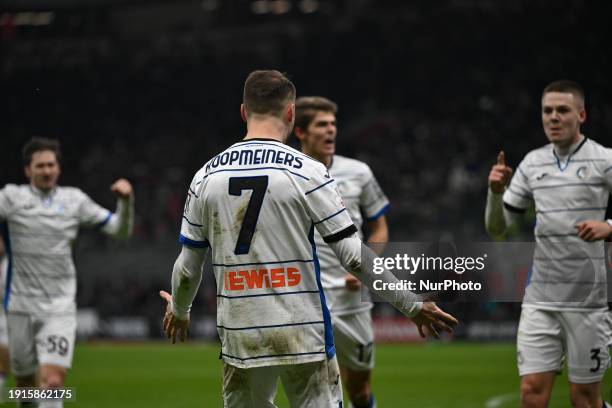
{"x":192,"y":243}
{"x":105,"y":220}
{"x":347,"y":232}
{"x":569,"y":159}
{"x":298,"y":292}
{"x":258,"y":168}
{"x":514,"y":209}
{"x":557,"y":210}
{"x":380,"y":213}
{"x":330,"y":348}
{"x":569,"y":185}
{"x":573,"y":160}
{"x":264,"y":263}
{"x":321,"y":186}
{"x":9,"y":272}
{"x":192,"y":223}
{"x":330,"y":217}
{"x":270,"y":326}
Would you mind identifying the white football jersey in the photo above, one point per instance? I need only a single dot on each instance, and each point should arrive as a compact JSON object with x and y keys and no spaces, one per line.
{"x":566,"y":270}
{"x":361,"y":193}
{"x":257,"y":205}
{"x":39,"y":230}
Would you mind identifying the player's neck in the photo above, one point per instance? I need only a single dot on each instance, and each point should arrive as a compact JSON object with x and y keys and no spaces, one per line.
{"x":326,"y":159}
{"x":567,"y":149}
{"x":40,"y":191}
{"x":267,"y":129}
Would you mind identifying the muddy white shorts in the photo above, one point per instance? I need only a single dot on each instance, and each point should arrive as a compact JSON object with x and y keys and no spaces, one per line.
{"x":307,"y":385}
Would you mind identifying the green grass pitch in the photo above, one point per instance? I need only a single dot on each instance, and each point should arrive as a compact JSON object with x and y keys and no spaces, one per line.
{"x":185,"y":376}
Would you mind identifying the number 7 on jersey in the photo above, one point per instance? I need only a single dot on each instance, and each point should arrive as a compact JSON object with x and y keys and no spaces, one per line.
{"x":258,"y":184}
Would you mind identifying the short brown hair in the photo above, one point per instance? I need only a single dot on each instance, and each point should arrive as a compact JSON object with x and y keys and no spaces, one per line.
{"x":307,"y":107}
{"x":565,"y":86}
{"x":267,"y":92}
{"x":39,"y":144}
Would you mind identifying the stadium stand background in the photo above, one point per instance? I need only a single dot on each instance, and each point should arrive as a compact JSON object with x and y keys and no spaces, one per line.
{"x":428,"y":94}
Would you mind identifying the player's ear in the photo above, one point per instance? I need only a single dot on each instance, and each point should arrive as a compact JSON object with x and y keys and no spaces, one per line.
{"x":299,"y":133}
{"x":243,"y":112}
{"x":582,"y":116}
{"x":290,"y":113}
{"x":27,"y":171}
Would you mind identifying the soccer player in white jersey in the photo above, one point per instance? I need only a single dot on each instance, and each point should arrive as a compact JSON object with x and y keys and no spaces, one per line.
{"x":564,"y":308}
{"x":315,"y":127}
{"x":257,"y":205}
{"x":41,"y":221}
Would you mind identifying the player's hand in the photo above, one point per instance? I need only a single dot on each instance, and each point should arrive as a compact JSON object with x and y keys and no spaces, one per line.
{"x":352,"y":283}
{"x":122,"y":188}
{"x":500,"y":174}
{"x":173,"y":327}
{"x":592,"y":230}
{"x":431,"y":319}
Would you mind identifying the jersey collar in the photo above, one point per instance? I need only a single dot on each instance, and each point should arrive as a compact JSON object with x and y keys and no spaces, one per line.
{"x":38,"y":192}
{"x":261,"y":139}
{"x":561,"y":166}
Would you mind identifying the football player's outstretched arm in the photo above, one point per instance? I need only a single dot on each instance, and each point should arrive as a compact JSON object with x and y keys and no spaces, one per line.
{"x":121,"y":223}
{"x":328,"y":213}
{"x":426,"y":315}
{"x":186,"y":279}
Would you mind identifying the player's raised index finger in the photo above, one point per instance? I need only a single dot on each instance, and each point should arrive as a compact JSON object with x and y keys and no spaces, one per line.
{"x":165,"y":295}
{"x":501,"y":158}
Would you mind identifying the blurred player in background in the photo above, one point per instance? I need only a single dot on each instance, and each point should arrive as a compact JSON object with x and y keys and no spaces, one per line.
{"x":257,"y":204}
{"x":315,"y":127}
{"x":41,"y":223}
{"x":569,"y":181}
{"x":4,"y":355}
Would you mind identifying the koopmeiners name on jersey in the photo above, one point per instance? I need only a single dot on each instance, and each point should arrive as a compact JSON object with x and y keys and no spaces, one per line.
{"x":261,"y":278}
{"x":257,"y":156}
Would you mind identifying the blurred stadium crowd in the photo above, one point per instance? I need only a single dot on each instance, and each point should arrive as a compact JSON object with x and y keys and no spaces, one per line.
{"x":428,"y":92}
